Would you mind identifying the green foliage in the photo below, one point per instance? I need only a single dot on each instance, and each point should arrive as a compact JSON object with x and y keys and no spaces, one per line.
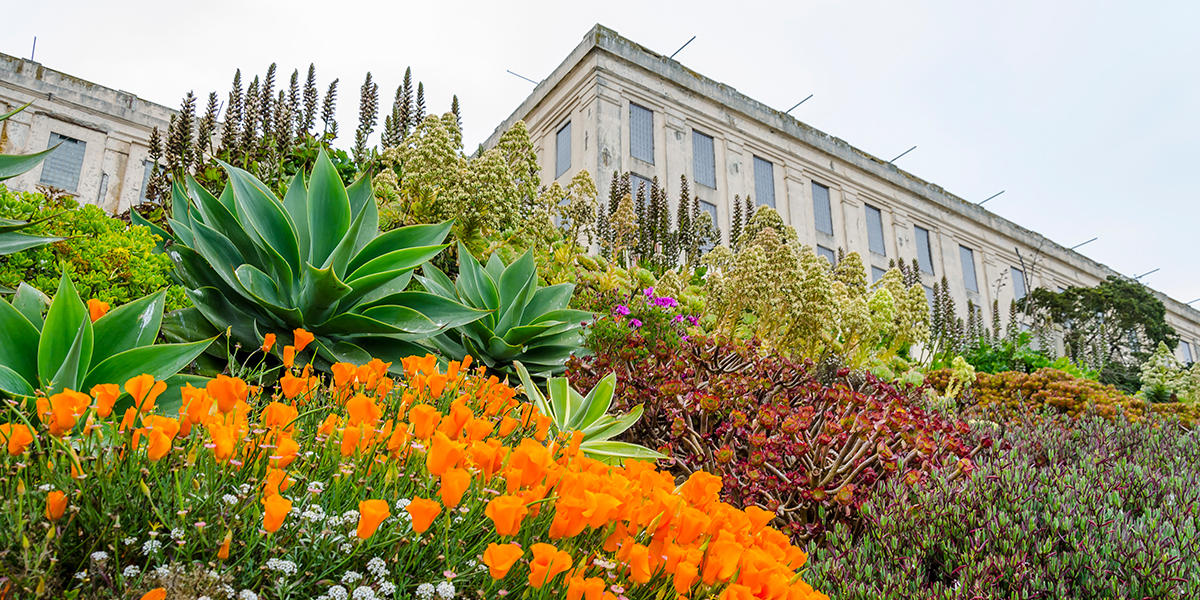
{"x":1165,"y":379}
{"x":785,"y":295}
{"x":635,"y":226}
{"x":572,"y":411}
{"x":1017,"y":354}
{"x":313,"y":260}
{"x":12,"y":165}
{"x":65,"y":348}
{"x":1109,"y":327}
{"x":524,"y":321}
{"x":108,"y":259}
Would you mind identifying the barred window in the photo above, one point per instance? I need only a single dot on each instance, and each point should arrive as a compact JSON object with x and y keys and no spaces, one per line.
{"x":764,"y":181}
{"x":641,"y":133}
{"x":62,"y":168}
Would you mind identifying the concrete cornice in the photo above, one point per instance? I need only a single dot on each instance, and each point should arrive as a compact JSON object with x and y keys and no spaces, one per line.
{"x":608,"y":41}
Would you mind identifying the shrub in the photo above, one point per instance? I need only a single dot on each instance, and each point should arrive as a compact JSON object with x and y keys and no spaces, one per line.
{"x":314,"y":260}
{"x":443,"y":483}
{"x":1165,"y":379}
{"x":644,"y":322}
{"x":1095,"y":510}
{"x":803,"y":446}
{"x":108,"y":259}
{"x":1012,"y":395}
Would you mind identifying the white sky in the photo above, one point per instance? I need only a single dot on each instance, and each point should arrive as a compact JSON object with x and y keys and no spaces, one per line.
{"x":1086,"y":113}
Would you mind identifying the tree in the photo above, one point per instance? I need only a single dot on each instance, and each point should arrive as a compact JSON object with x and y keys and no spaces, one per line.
{"x":1111,"y":327}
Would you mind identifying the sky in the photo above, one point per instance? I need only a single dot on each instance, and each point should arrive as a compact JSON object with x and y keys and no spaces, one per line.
{"x":1084,"y":112}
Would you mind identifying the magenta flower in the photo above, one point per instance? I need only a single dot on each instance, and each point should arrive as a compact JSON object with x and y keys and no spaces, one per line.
{"x":635,"y":323}
{"x":621,"y":309}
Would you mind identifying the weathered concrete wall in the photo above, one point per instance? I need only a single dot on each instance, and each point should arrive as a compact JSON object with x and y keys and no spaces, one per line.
{"x":621,"y":71}
{"x":115,"y":126}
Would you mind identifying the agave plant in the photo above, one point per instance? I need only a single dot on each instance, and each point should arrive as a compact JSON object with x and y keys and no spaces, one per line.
{"x":524,"y":322}
{"x":572,"y":411}
{"x":66,"y":349}
{"x":254,"y":264}
{"x":12,"y":165}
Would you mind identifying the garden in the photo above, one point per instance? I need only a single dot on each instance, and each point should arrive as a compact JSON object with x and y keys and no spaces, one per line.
{"x":406,"y":371}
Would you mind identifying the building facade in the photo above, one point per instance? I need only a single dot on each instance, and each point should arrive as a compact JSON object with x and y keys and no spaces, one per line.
{"x":615,"y":106}
{"x":102,"y":134}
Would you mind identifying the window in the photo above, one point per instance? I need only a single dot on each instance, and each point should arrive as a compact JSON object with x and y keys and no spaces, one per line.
{"x":148,"y":166}
{"x":1018,"y":280}
{"x":764,"y":181}
{"x":637,"y":182}
{"x":877,"y":273}
{"x":875,"y":230}
{"x":61,"y":169}
{"x":1185,"y":349}
{"x":924,"y":250}
{"x":704,"y":160}
{"x":562,"y":147}
{"x":822,"y":213}
{"x":641,"y":133}
{"x":968,"y":266}
{"x":828,"y":255}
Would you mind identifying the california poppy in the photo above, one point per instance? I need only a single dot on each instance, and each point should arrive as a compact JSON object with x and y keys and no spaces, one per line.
{"x":370,"y":514}
{"x":454,"y":484}
{"x":301,"y":338}
{"x":268,"y":342}
{"x":424,"y":419}
{"x":500,"y":558}
{"x":227,"y":391}
{"x":17,"y":436}
{"x":96,"y":309}
{"x":223,"y":552}
{"x":444,"y":454}
{"x":289,"y":356}
{"x":423,"y":512}
{"x":275,"y":509}
{"x":506,"y":512}
{"x":579,"y":588}
{"x":155,"y":594}
{"x":639,"y":563}
{"x":56,"y":505}
{"x":106,"y":395}
{"x":363,"y":410}
{"x":686,"y":574}
{"x":145,"y":390}
{"x":159,"y":446}
{"x":547,"y":563}
{"x":285,"y":452}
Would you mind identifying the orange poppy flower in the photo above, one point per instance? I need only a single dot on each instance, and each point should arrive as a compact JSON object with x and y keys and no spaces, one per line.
{"x":268,"y":342}
{"x":363,"y":410}
{"x":444,"y":454}
{"x":737,"y":591}
{"x":224,"y":439}
{"x":685,"y":576}
{"x":227,"y":391}
{"x":351,"y":435}
{"x":500,"y":558}
{"x":423,"y":512}
{"x":293,"y":386}
{"x":286,"y":450}
{"x":722,"y":560}
{"x":759,"y":518}
{"x":61,"y":411}
{"x":155,"y":594}
{"x":106,"y":395}
{"x":289,"y":356}
{"x":145,"y":390}
{"x":17,"y":436}
{"x":223,"y":552}
{"x":547,"y":563}
{"x":384,"y":387}
{"x":591,"y":588}
{"x":96,"y":309}
{"x":277,"y":481}
{"x":454,"y":484}
{"x":278,"y":415}
{"x":639,"y":563}
{"x":701,"y":489}
{"x":424,"y":419}
{"x":301,"y":339}
{"x":507,"y":425}
{"x":56,"y":505}
{"x":329,"y":425}
{"x":158,"y":447}
{"x":370,"y":514}
{"x":275,"y":510}
{"x":506,"y":512}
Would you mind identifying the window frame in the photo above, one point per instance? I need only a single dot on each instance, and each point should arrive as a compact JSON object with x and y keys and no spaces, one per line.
{"x":51,"y":162}
{"x":759,"y":179}
{"x":963,"y":253}
{"x":559,"y":167}
{"x":927,"y":247}
{"x":828,"y":213}
{"x":712,"y":158}
{"x":635,"y":133}
{"x":875,"y":236}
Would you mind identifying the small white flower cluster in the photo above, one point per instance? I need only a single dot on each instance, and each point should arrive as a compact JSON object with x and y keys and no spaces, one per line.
{"x":129,"y":541}
{"x":346,"y":548}
{"x":387,"y":588}
{"x":247,"y":595}
{"x":131,"y":571}
{"x":177,"y":533}
{"x":425,"y":591}
{"x":229,"y":499}
{"x":286,"y":567}
{"x":350,"y":517}
{"x":363,"y":593}
{"x":151,"y":546}
{"x":337,"y":592}
{"x":81,"y":575}
{"x":351,"y":577}
{"x":99,"y":555}
{"x":402,"y":504}
{"x":377,"y":568}
{"x":313,"y":513}
{"x":445,"y":590}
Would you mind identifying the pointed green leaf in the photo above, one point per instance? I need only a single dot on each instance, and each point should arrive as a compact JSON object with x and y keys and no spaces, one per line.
{"x":19,"y":350}
{"x":404,"y":237}
{"x":328,"y":209}
{"x":128,"y":326}
{"x":616,"y":451}
{"x":161,"y":361}
{"x":531,"y":390}
{"x":259,"y":207}
{"x":12,"y":383}
{"x":12,"y":165}
{"x":596,"y":403}
{"x":74,"y":365}
{"x":295,"y":202}
{"x":15,"y":242}
{"x":32,"y":303}
{"x":62,"y":325}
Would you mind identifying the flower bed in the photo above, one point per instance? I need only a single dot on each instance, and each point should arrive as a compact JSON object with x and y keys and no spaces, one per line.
{"x":357,"y":486}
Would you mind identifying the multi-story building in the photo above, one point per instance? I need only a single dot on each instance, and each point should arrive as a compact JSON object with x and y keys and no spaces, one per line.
{"x":102,"y":134}
{"x":615,"y":106}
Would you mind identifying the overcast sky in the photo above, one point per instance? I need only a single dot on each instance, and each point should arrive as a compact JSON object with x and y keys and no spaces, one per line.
{"x":1086,"y":113}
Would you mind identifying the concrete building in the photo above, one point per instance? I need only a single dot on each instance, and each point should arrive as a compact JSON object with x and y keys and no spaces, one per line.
{"x":104,"y":134}
{"x":614,"y":105}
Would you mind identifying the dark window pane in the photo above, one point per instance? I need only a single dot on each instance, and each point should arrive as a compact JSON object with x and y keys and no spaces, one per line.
{"x":562,"y":147}
{"x":924,"y":250}
{"x":1018,"y":279}
{"x":62,"y":168}
{"x":875,"y":230}
{"x":968,"y":266}
{"x":641,"y":133}
{"x":764,"y":182}
{"x":822,"y":213}
{"x":829,"y":255}
{"x":704,"y":161}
